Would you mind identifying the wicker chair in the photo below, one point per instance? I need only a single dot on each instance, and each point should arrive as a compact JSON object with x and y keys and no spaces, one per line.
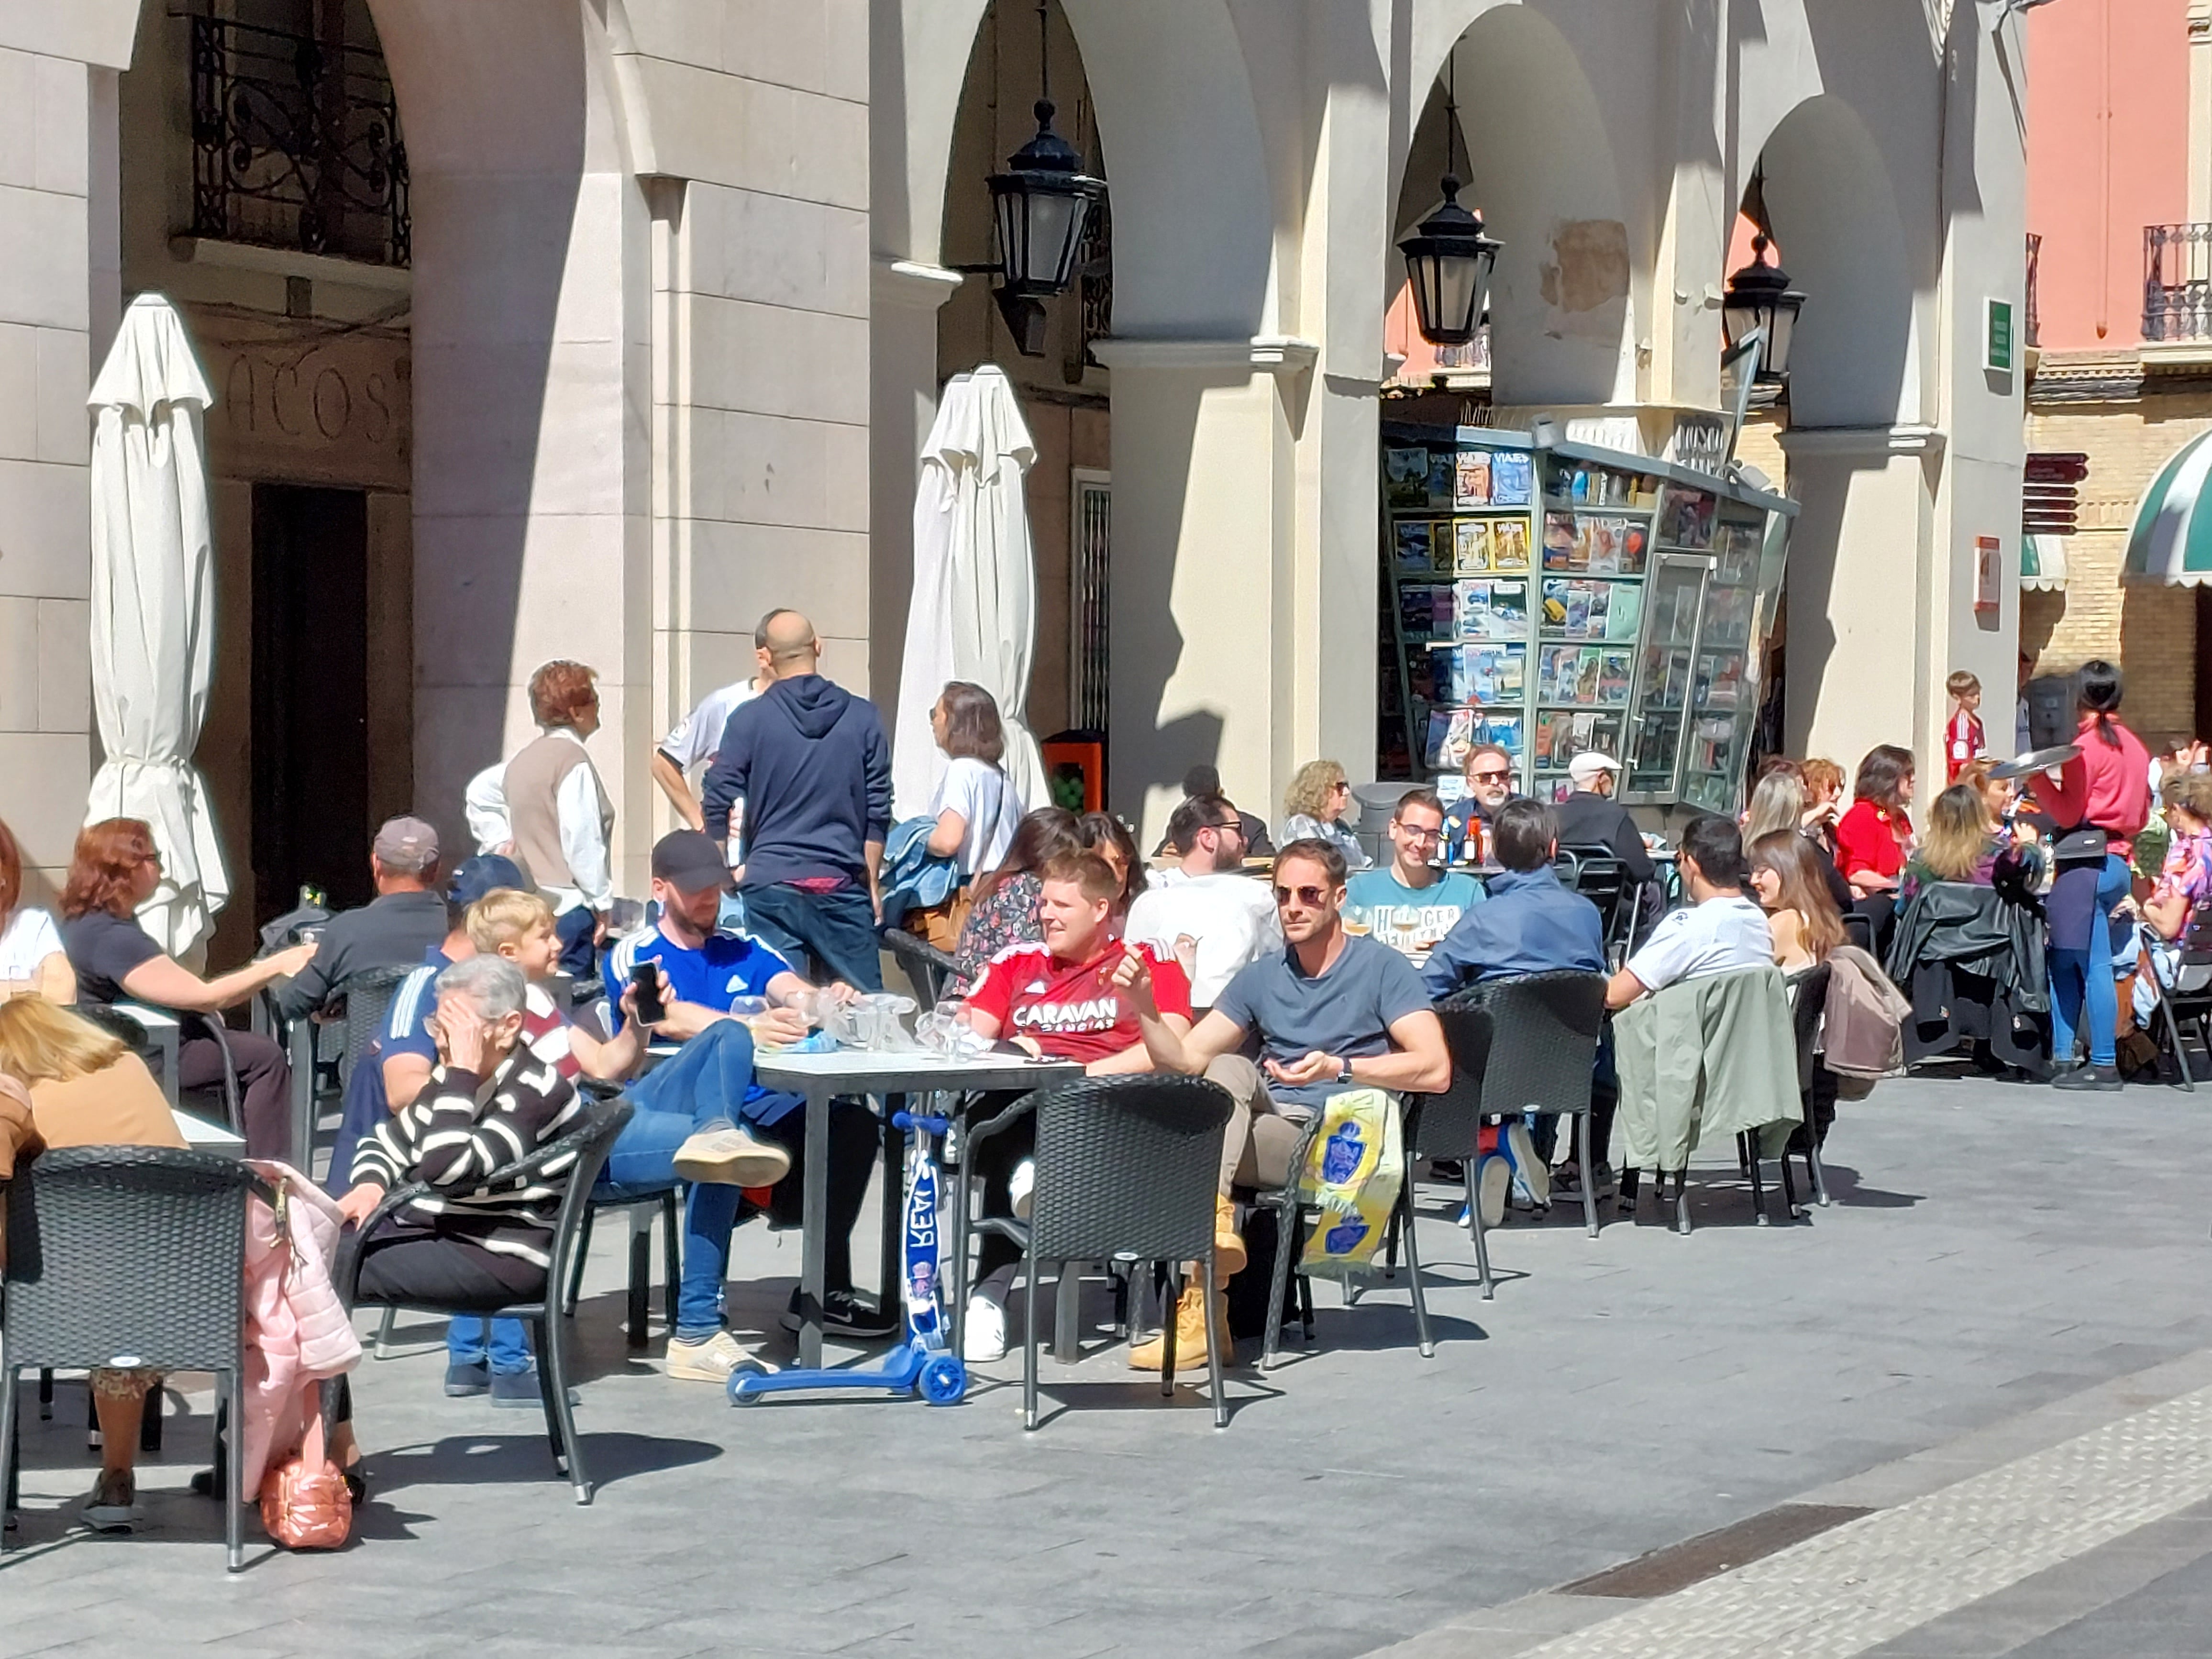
{"x":929,"y":969}
{"x":1525,"y":1045}
{"x":363,"y":1000}
{"x":1127,"y":1168}
{"x":129,"y":1250}
{"x":587,"y":1144}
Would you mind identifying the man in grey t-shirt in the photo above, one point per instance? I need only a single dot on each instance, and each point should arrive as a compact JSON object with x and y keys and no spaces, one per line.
{"x":1333,"y":1011}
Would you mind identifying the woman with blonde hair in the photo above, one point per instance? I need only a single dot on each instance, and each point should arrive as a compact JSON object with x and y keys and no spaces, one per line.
{"x":1781,"y":800}
{"x":1313,"y":809}
{"x":87,"y":1090}
{"x":1958,"y":844}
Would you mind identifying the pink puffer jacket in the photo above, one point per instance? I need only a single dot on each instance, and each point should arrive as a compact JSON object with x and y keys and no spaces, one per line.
{"x":297,"y":1335}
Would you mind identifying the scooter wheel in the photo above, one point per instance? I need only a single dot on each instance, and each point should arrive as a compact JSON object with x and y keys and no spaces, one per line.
{"x":943,"y":1381}
{"x":739,"y":1374}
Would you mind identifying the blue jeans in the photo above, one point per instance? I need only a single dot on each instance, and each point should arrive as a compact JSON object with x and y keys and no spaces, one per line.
{"x":701,"y":1087}
{"x":574,"y":929}
{"x":2082,"y":984}
{"x":836,"y":928}
{"x":506,"y":1347}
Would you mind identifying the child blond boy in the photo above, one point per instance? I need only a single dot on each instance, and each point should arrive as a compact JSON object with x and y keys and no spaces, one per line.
{"x":1962,"y":733}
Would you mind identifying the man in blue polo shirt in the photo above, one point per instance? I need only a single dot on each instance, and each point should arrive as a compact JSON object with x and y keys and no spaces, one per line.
{"x":713,"y":977}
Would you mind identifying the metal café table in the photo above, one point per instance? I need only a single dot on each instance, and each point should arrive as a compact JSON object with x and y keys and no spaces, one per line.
{"x":872,"y":1075}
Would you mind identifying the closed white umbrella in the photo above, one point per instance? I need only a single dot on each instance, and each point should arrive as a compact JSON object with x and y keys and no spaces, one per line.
{"x":973,"y":616}
{"x":153,"y":611}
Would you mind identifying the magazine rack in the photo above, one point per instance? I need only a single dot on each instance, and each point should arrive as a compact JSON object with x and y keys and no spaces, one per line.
{"x":1555,"y":598}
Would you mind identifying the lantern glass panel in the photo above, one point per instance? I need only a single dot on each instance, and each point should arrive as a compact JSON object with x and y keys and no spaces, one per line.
{"x":1055,"y":224}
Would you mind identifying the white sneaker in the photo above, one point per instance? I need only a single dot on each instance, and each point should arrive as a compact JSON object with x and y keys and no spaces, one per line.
{"x":1492,"y":1179}
{"x":1533,"y":1177}
{"x":731,"y":1158}
{"x":985,"y":1339}
{"x":711,"y":1361}
{"x":1021,"y":1184}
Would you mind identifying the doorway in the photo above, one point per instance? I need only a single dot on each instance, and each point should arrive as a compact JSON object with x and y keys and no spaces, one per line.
{"x":310,"y":695}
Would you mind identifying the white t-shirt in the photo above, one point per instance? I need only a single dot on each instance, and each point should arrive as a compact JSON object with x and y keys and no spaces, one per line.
{"x":1721,"y":936}
{"x":29,"y":939}
{"x":1232,"y":917}
{"x":987,"y":802}
{"x":691,"y":742}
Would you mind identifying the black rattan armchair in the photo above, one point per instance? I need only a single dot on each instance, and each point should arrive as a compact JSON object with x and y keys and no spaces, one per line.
{"x":1127,"y":1168}
{"x":929,"y":969}
{"x":587,"y":1145}
{"x":132,"y":1256}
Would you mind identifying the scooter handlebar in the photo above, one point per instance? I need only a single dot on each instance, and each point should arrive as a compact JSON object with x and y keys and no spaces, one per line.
{"x":936,"y":1126}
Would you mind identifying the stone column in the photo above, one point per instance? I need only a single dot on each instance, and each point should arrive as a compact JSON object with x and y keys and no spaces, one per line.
{"x":1205,"y":636}
{"x":1862,"y":644}
{"x":57,"y":278}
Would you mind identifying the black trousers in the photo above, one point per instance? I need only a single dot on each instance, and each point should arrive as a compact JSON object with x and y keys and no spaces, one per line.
{"x":265,"y":1085}
{"x":852,"y":1153}
{"x":994,"y":1160}
{"x":417,"y":1267}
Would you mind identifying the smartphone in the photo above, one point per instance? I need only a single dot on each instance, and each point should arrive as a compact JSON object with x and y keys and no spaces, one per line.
{"x":645,"y":979}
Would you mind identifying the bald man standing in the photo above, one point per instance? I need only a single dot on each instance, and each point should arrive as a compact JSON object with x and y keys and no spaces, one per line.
{"x":809,"y":761}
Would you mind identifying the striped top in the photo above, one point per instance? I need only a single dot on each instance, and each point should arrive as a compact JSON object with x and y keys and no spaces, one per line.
{"x":462,"y":1128}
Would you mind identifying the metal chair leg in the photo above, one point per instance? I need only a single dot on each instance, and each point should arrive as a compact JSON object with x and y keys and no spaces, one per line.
{"x":671,"y":1269}
{"x":1029,"y":1341}
{"x":384,"y":1333}
{"x":1168,"y":1335}
{"x":1682,"y":1178}
{"x":150,"y":1421}
{"x":1279,"y":1278}
{"x":1066,"y":1314}
{"x":1815,"y":1172}
{"x":553,"y":1366}
{"x":1414,"y":1274}
{"x":1215,"y":1336}
{"x":10,"y":1451}
{"x":1475,"y":1226}
{"x":1790,"y":1207}
{"x":46,"y":1395}
{"x":576,"y":1287}
{"x":1588,"y":1168}
{"x":641,"y":1274}
{"x":1305,"y":1309}
{"x":1747,"y":1149}
{"x":234,"y":1499}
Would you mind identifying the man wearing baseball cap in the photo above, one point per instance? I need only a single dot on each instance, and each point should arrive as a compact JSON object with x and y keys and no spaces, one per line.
{"x":1591,"y":819}
{"x":392,"y":930}
{"x":714,"y":987}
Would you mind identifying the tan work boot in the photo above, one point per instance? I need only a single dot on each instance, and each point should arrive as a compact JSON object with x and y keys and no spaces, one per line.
{"x":1190,"y":1335}
{"x":1228,"y":1243}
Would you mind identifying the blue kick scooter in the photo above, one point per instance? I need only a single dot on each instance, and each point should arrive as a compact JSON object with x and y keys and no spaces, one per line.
{"x":923,"y":1363}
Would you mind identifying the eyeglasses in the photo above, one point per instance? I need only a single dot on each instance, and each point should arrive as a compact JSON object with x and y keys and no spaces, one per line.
{"x":1490,"y":777}
{"x":1234,"y":826}
{"x":1312,"y":897}
{"x":1339,"y":784}
{"x":1414,"y":832}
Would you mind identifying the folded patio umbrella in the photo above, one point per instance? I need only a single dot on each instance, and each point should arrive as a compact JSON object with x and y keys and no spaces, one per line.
{"x":153,"y":605}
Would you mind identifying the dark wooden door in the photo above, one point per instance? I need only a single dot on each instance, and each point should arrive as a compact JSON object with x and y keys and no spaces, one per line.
{"x":310,"y":695}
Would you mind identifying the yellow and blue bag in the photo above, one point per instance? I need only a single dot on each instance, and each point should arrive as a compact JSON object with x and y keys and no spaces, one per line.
{"x":1351,"y":1175}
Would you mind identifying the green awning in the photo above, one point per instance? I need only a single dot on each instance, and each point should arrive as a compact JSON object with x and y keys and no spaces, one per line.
{"x":2043,"y":563}
{"x":2171,"y":544}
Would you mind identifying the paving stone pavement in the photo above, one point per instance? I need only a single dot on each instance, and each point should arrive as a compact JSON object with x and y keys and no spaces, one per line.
{"x":1993,"y":1250}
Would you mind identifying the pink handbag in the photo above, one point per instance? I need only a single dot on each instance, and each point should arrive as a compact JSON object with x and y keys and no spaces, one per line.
{"x":304,"y":1504}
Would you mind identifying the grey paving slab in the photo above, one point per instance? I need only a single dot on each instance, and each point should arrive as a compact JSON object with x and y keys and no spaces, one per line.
{"x":1996,"y":1256}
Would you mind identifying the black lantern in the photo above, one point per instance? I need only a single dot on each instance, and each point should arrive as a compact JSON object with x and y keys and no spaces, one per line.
{"x":1042,"y":203}
{"x":1448,"y":262}
{"x":1760,"y":297}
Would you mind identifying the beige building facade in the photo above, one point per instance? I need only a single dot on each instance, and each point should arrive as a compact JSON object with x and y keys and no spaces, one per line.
{"x":681,"y":280}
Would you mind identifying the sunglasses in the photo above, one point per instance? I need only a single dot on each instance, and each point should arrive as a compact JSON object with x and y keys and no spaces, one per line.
{"x":1490,"y":777}
{"x":1312,"y":897}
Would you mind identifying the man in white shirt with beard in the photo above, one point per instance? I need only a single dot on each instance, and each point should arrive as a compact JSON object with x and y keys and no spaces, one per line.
{"x":1202,"y":910}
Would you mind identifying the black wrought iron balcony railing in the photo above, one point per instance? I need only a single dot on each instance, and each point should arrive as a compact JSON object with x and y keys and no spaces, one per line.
{"x":2030,"y":331}
{"x":2178,"y":281}
{"x":296,"y":144}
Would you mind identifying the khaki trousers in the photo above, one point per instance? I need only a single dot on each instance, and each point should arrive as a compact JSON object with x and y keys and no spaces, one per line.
{"x":1262,"y":1138}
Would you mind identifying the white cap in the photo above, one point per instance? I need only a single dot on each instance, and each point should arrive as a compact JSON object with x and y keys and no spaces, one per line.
{"x":1588,"y":764}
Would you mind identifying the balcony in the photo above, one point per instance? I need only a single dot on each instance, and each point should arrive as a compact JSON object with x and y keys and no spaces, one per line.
{"x":2176,"y":325}
{"x":296,"y":145}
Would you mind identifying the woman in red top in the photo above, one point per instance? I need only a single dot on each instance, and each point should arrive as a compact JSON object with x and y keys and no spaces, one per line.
{"x":1871,"y":838}
{"x":2106,"y":788}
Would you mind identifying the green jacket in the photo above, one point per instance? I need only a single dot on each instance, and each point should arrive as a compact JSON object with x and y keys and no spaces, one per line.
{"x":1713,"y":1056}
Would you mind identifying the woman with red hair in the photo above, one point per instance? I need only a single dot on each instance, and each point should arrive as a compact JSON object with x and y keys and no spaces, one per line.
{"x":114,"y":870}
{"x":31,"y":954}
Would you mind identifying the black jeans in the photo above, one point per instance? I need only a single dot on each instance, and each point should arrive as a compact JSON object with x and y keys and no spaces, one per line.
{"x":417,"y":1267}
{"x":265,"y":1085}
{"x":853,"y":1143}
{"x":837,"y":929}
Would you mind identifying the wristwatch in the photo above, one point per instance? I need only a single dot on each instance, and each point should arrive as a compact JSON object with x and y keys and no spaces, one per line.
{"x":1344,"y":1070}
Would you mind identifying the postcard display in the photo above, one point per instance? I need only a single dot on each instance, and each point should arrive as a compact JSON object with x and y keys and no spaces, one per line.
{"x":1555,"y":600}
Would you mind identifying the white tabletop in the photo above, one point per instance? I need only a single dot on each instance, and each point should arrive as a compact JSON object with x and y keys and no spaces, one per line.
{"x":918,"y":1068}
{"x":204,"y":1136}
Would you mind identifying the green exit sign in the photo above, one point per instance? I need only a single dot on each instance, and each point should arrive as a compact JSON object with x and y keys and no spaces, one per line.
{"x":1997,"y":336}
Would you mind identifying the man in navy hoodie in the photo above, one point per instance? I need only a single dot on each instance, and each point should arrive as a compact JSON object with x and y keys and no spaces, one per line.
{"x":809,"y":761}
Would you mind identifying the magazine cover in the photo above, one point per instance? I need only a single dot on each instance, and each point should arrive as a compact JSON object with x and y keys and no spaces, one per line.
{"x":1509,"y":544}
{"x":1555,"y":674}
{"x":1555,"y":604}
{"x":1634,"y":539}
{"x":1471,"y":608}
{"x":1471,"y":487}
{"x":1509,"y":609}
{"x":1406,"y":478}
{"x":1513,"y":476}
{"x":1470,"y":546}
{"x":1578,"y":610}
{"x":1414,"y":546}
{"x":1612,"y":677}
{"x":1559,"y":541}
{"x":1451,"y":735}
{"x":1587,"y":671}
{"x":1578,"y":556}
{"x":1625,"y":612}
{"x":1443,"y":469}
{"x":1605,"y":546}
{"x":1601,"y":602}
{"x":1504,"y":731}
{"x":1723,"y":679}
